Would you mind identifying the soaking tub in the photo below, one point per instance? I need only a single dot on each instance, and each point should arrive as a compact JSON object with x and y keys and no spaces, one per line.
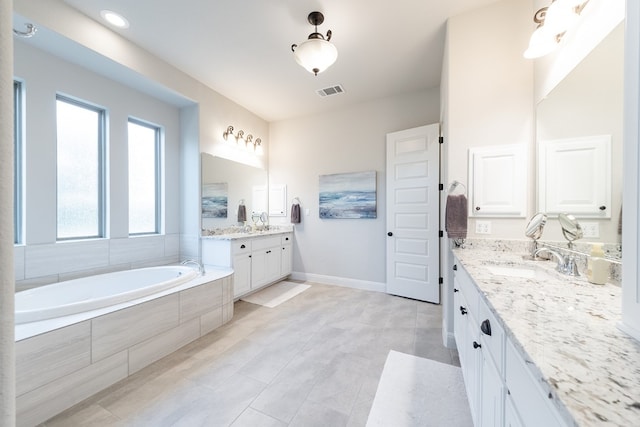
{"x":76,"y":338}
{"x":89,"y":293}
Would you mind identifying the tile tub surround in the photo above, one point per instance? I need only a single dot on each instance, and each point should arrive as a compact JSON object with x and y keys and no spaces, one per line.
{"x":79,"y":356}
{"x":565,"y":329}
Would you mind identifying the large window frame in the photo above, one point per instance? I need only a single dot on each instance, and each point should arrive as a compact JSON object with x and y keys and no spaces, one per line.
{"x":101,"y":169}
{"x":157,"y":158}
{"x":18,"y":138}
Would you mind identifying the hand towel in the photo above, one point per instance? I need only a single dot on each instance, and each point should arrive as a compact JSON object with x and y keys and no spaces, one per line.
{"x":295,"y":213}
{"x":242,"y":213}
{"x":455,"y":222}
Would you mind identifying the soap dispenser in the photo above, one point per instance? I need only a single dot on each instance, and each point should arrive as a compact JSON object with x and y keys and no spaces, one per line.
{"x":597,"y":266}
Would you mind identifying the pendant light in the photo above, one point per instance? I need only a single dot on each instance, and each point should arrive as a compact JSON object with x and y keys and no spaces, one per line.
{"x":315,"y":54}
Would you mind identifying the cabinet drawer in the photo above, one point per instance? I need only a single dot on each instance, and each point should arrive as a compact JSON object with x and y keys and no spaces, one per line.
{"x":241,"y":246}
{"x":491,"y":334}
{"x":265,"y":242}
{"x":532,"y":404}
{"x":286,"y":239}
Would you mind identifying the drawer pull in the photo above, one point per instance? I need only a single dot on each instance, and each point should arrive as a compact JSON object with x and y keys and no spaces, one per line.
{"x":455,"y":290}
{"x":463,"y":310}
{"x":603,"y":208}
{"x":476,"y":345}
{"x":286,"y":238}
{"x":242,"y":246}
{"x":485,"y":327}
{"x":455,"y":267}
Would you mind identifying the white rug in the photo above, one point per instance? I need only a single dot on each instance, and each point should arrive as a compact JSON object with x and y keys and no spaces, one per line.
{"x":414,"y":391}
{"x":276,"y":294}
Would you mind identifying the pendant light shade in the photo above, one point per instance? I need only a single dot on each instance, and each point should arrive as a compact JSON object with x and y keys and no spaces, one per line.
{"x":315,"y":54}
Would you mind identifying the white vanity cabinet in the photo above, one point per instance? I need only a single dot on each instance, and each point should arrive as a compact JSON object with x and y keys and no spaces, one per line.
{"x":501,"y":388}
{"x":257,"y":261}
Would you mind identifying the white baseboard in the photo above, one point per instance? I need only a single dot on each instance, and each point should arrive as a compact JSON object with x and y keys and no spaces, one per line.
{"x":340,"y":281}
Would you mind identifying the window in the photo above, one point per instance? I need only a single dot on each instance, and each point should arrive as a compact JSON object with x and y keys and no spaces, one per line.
{"x":80,"y":169}
{"x":17,"y":160}
{"x":144,"y":178}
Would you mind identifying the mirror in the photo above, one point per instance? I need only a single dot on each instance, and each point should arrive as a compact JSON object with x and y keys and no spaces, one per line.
{"x":587,"y":103}
{"x":571,"y":229}
{"x":536,"y":226}
{"x":230,"y":184}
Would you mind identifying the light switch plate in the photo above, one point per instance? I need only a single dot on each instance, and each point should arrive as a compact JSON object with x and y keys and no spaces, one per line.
{"x":590,"y":229}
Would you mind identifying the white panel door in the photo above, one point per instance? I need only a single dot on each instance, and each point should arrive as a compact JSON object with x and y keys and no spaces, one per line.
{"x":413,"y":168}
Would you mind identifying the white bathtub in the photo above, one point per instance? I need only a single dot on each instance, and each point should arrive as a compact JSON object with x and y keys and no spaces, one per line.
{"x":90,"y":293}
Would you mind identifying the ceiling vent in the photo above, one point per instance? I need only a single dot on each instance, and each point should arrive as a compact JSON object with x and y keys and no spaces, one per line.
{"x":331,"y":90}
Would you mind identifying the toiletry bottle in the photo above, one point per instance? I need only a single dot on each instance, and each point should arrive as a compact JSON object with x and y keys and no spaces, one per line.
{"x":597,"y":266}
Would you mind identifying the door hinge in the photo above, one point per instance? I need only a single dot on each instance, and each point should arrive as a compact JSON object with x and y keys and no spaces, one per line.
{"x":441,"y":140}
{"x":441,"y":233}
{"x":441,"y":187}
{"x":441,"y":280}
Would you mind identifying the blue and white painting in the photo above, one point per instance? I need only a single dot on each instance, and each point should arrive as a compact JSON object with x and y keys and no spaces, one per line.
{"x":348,"y":195}
{"x":214,"y":200}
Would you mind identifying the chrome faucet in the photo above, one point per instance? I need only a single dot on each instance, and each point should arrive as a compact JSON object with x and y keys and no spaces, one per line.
{"x":196,"y":263}
{"x":566,"y":264}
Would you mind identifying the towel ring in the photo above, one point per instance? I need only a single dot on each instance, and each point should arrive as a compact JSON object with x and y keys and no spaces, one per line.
{"x":241,"y":202}
{"x":455,"y":185}
{"x":295,"y":199}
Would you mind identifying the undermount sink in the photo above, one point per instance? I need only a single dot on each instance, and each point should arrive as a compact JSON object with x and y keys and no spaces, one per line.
{"x":525,"y":273}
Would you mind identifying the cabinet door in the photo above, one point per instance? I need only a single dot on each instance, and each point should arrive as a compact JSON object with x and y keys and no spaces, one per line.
{"x":273,"y":263}
{"x":511,"y":418}
{"x":286,"y":261}
{"x":258,"y":268}
{"x":242,"y":274}
{"x":491,"y":394}
{"x":498,"y":181}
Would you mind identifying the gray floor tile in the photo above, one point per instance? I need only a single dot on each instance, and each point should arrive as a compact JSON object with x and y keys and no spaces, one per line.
{"x":315,"y":360}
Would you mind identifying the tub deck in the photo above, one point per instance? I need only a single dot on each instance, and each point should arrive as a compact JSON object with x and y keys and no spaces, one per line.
{"x":60,"y":362}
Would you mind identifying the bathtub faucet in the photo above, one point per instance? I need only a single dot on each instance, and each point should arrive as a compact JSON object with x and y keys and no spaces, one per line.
{"x":196,"y":263}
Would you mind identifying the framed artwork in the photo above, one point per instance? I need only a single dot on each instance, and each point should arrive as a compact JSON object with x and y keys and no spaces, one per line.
{"x":348,"y":195}
{"x":214,"y":200}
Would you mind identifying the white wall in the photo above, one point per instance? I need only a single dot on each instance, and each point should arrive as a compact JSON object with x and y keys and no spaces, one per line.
{"x":341,"y":251}
{"x":35,"y":261}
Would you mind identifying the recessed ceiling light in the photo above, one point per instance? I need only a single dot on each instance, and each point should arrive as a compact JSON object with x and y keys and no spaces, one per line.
{"x":114,"y":19}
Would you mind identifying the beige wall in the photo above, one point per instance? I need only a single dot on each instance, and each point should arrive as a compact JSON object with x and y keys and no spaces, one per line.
{"x":349,"y":140}
{"x":489,"y":93}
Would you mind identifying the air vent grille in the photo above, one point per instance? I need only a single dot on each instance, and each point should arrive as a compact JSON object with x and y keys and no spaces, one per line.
{"x":330,"y":91}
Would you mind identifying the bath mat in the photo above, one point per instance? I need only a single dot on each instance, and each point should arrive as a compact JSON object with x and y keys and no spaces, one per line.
{"x":276,"y":294}
{"x":414,"y":391}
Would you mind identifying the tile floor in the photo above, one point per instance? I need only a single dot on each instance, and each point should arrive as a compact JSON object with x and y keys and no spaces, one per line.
{"x":314,"y":360}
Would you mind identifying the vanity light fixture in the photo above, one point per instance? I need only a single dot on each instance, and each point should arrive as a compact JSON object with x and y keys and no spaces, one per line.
{"x":244,"y":142}
{"x":553,"y":22}
{"x":257,"y":146}
{"x":227,"y":132}
{"x":114,"y":18}
{"x":31,"y":31}
{"x":315,"y":54}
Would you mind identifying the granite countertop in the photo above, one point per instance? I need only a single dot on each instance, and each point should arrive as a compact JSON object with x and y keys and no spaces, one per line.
{"x":244,"y":235}
{"x":565,"y":329}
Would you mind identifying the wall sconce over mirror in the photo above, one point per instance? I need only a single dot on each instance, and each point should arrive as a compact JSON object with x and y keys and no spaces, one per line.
{"x":552,"y":22}
{"x":244,"y":142}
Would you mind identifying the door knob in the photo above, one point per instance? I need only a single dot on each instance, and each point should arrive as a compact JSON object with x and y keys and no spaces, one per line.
{"x":602,"y":208}
{"x":389,"y":234}
{"x":476,"y":345}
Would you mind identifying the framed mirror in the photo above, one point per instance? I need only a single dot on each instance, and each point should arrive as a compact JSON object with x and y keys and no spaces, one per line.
{"x":238,"y":183}
{"x":585,"y":106}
